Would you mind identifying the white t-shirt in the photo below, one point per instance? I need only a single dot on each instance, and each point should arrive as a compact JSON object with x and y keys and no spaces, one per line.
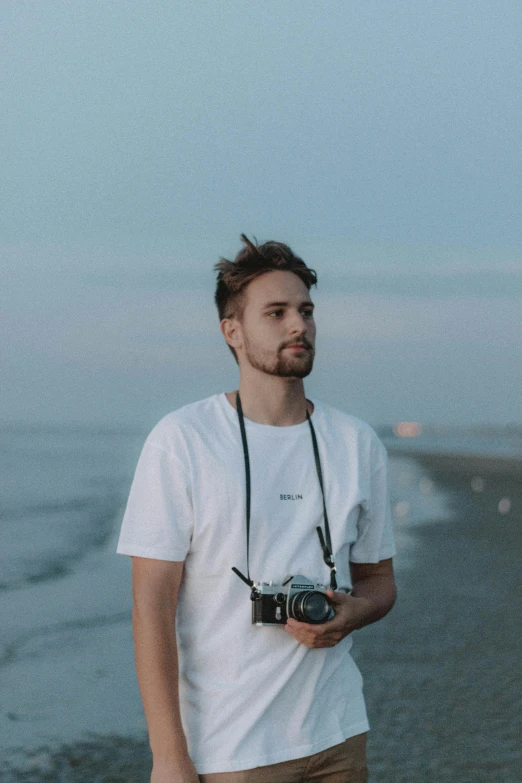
{"x":249,"y":695}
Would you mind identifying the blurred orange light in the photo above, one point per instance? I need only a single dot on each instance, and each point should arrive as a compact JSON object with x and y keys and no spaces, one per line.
{"x":407,"y":429}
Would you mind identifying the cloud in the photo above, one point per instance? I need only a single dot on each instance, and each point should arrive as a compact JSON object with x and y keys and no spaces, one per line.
{"x":458,"y":319}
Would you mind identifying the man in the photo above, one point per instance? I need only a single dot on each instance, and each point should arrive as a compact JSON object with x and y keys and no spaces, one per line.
{"x":265,"y":482}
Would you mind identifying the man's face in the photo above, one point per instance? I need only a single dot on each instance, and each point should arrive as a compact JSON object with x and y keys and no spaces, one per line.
{"x":278,"y":325}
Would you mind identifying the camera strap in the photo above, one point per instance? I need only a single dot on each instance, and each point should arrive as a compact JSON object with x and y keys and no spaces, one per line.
{"x":324,"y":540}
{"x":326,"y":546}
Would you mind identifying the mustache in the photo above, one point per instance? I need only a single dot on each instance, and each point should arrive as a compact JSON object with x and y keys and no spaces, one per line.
{"x":302,"y":342}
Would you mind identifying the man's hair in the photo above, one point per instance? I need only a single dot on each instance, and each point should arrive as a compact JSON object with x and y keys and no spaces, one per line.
{"x":252,"y":261}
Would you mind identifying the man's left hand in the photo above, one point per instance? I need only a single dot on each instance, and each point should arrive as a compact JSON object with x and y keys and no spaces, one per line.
{"x":350,"y":614}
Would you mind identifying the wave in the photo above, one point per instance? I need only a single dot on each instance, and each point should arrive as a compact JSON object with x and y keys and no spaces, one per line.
{"x":46,"y":542}
{"x":35,"y":642}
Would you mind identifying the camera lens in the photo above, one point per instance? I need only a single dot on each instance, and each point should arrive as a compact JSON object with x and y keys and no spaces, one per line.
{"x":310,"y":606}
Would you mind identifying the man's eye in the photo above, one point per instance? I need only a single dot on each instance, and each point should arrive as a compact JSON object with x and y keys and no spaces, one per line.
{"x":279,"y":313}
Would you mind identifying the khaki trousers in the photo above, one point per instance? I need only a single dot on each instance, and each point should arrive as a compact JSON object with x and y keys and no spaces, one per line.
{"x":344,"y":763}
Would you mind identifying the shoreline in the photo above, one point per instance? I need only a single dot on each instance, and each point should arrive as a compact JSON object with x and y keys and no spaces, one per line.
{"x":462,"y":463}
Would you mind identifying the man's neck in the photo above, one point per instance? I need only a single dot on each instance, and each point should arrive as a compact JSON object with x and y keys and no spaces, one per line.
{"x":279,"y":402}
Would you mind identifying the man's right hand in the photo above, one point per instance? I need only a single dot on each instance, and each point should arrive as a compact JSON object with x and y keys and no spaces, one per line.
{"x":174,"y":772}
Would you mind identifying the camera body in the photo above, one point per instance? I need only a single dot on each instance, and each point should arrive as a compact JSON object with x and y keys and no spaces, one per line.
{"x":297,"y":597}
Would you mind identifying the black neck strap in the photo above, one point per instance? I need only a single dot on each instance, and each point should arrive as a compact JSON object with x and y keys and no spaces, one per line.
{"x":325,"y":541}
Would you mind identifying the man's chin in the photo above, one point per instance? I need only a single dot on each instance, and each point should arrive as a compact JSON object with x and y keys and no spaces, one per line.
{"x":293,"y":370}
{"x":285,"y":366}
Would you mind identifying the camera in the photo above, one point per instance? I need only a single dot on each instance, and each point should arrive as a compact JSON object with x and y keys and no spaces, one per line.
{"x":296,"y":596}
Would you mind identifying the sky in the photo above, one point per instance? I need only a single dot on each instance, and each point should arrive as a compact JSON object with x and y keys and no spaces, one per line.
{"x":381,"y":140}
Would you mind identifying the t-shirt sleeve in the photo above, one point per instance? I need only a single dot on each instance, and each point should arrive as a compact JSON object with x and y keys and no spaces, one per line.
{"x":158,"y":519}
{"x":375,"y":539}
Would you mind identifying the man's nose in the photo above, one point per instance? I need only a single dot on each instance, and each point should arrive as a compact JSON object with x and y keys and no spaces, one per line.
{"x":297,"y":324}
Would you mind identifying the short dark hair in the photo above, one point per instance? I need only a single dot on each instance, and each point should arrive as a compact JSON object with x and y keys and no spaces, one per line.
{"x":252,"y":261}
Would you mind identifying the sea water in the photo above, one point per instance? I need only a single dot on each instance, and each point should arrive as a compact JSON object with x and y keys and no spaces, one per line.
{"x":66,"y":663}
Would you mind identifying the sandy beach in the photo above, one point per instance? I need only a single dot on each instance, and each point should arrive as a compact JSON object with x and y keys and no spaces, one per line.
{"x":442,"y":671}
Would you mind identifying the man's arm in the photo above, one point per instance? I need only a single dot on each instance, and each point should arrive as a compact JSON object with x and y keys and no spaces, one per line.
{"x":373,"y":595}
{"x":374,"y":583}
{"x":155,"y":587}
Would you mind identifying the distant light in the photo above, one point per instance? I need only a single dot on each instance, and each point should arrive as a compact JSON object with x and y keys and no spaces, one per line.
{"x":477,"y":484}
{"x":407,"y":429}
{"x":504,"y":506}
{"x":401,"y":509}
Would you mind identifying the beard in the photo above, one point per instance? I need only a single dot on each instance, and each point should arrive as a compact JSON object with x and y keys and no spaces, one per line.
{"x":283,"y":365}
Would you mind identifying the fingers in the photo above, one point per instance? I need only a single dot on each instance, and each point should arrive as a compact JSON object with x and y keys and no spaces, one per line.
{"x":313,"y":643}
{"x":337,"y":599}
{"x":329,"y":633}
{"x":314,"y":636}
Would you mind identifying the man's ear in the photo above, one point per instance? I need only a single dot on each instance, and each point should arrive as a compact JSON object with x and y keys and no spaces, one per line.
{"x":232,"y":332}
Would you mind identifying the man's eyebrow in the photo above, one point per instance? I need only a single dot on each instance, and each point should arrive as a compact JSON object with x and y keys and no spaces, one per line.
{"x":308,"y":303}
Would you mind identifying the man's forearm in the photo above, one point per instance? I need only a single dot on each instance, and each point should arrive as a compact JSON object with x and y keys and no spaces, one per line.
{"x":377,"y":596}
{"x":157,"y":671}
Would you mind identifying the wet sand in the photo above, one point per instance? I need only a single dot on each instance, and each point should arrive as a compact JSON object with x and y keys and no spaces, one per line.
{"x":442,"y":671}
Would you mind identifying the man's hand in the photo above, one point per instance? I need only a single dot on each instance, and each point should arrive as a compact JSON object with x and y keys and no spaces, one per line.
{"x":350,"y":613}
{"x":372,"y":597}
{"x":174,"y":772}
